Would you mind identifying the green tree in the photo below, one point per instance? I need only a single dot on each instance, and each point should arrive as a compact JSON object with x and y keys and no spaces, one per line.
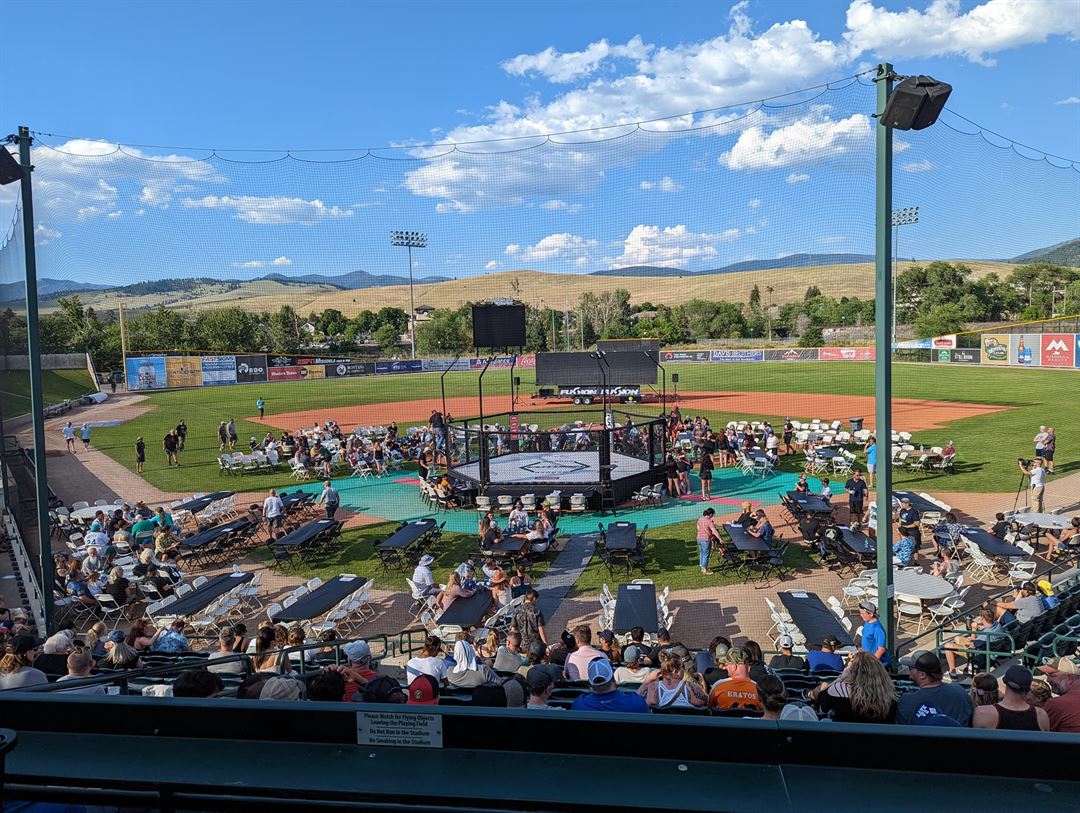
{"x":755,"y":298}
{"x":448,"y":331}
{"x":284,"y":331}
{"x":812,"y":337}
{"x":942,"y":319}
{"x":392,"y":316}
{"x":388,"y":338}
{"x":225,"y":330}
{"x":159,"y":329}
{"x":811,"y":292}
{"x":332,"y":322}
{"x":365,"y":322}
{"x":1038,"y":286}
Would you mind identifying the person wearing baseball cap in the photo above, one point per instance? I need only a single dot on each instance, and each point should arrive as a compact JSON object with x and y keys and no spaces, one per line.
{"x":1063,"y":675}
{"x":540,"y":685}
{"x":826,"y":659}
{"x":423,"y":691}
{"x":905,"y":548}
{"x":424,"y":579}
{"x":1012,"y":712}
{"x":17,"y":664}
{"x":603,"y":695}
{"x":873,"y":633}
{"x":787,"y":659}
{"x":633,"y":669}
{"x":933,"y":697}
{"x":359,"y":671}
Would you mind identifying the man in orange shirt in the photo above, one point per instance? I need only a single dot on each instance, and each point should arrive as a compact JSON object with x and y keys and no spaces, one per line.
{"x":738,"y":691}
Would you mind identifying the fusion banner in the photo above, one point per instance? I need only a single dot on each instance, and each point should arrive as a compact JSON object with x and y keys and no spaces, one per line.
{"x":499,"y":362}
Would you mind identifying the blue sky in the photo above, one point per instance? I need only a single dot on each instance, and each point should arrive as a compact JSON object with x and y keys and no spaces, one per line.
{"x":327,"y":75}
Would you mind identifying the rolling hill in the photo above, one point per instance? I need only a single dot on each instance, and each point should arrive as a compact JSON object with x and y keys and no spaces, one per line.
{"x":788,"y":261}
{"x":1064,"y":253}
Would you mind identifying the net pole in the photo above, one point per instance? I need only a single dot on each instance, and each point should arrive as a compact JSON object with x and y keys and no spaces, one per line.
{"x":37,"y":398}
{"x":883,"y":367}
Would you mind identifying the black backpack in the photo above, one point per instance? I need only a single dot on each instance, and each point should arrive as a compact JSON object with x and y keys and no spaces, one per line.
{"x":382,"y":689}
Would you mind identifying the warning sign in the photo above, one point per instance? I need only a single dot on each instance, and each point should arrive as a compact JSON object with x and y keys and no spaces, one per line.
{"x":399,"y":728}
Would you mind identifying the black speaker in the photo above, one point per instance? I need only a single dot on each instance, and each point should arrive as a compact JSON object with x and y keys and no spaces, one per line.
{"x":498,"y":325}
{"x":674,"y":378}
{"x":915,"y":103}
{"x":517,"y":381}
{"x":10,"y":169}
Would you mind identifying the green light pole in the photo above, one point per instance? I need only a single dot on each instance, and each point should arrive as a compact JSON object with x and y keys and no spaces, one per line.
{"x":883,"y":368}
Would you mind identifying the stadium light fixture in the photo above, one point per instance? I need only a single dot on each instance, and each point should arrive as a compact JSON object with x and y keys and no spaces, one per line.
{"x":900,"y":217}
{"x":410,"y":240}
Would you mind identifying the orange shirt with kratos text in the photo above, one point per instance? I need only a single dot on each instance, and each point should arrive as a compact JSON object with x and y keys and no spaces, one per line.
{"x":735,"y":693}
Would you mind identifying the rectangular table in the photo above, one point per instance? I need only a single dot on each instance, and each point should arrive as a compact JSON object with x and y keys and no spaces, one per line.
{"x":816,"y":621}
{"x":635,"y":606}
{"x":296,"y":497}
{"x":198,"y":600}
{"x":621,"y":536}
{"x":507,"y":546}
{"x":990,"y":544}
{"x":320,"y":601}
{"x":826,"y":454}
{"x":743,"y":540}
{"x":920,"y":504}
{"x":468,"y":612}
{"x":408,"y":534}
{"x":811,"y":503}
{"x":305,"y":533}
{"x":858,"y":542}
{"x":208,"y":535}
{"x":200,"y":503}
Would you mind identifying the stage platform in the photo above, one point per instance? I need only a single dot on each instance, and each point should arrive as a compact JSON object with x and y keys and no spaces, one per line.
{"x":552,"y":468}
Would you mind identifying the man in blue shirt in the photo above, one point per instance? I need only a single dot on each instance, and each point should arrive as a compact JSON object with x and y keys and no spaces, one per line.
{"x":825,"y":659}
{"x":933,"y":697}
{"x":604,"y":696}
{"x":764,"y":529}
{"x":873,"y":633}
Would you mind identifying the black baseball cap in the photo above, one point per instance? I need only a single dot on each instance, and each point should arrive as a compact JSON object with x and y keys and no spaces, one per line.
{"x":924,"y":661}
{"x":538,"y":680}
{"x":1017,"y":678}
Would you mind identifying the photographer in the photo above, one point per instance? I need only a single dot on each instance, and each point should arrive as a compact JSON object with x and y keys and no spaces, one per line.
{"x":1038,"y":481}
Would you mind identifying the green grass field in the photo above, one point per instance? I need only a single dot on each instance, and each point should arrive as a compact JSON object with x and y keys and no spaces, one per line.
{"x":988,"y":445}
{"x":59,"y":385}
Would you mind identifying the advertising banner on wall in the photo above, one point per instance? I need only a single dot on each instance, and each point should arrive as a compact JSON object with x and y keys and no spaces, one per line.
{"x":499,"y":362}
{"x":527,"y":361}
{"x":440,"y":365}
{"x":914,"y":344}
{"x":250,"y":369}
{"x":315,"y":370}
{"x":847,"y":354}
{"x":218,"y":370}
{"x":1058,"y":349}
{"x":1024,"y":350}
{"x":292,"y":373}
{"x":1076,"y":348}
{"x":965,"y":355}
{"x":281,"y":361}
{"x":995,"y":348}
{"x":598,"y":392}
{"x":724,"y":356}
{"x":943,"y":342}
{"x":792,"y":354}
{"x":406,"y":366}
{"x":183,"y":371}
{"x":146,"y":373}
{"x":685,"y":356}
{"x":349,"y":369}
{"x":942,"y":356}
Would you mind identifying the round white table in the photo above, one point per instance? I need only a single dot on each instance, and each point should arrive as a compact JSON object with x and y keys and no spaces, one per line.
{"x":920,"y":585}
{"x":1042,"y":520}
{"x":90,"y":512}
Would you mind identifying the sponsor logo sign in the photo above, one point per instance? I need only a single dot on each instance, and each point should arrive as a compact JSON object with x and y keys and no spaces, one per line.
{"x":685,"y":355}
{"x":943,"y":342}
{"x":995,"y":348}
{"x":438,"y":365}
{"x":348,"y":369}
{"x":597,"y":392}
{"x":292,"y":373}
{"x":792,"y":354}
{"x":528,"y":361}
{"x":847,"y":354}
{"x":218,"y":370}
{"x":914,"y":344}
{"x":736,"y":355}
{"x":1076,"y":355}
{"x":1024,"y":350}
{"x":499,"y":361}
{"x":965,"y":355}
{"x":944,"y":356}
{"x":281,"y":361}
{"x":406,"y":366}
{"x":250,"y":369}
{"x":146,"y":373}
{"x":183,"y":371}
{"x":1058,"y":350}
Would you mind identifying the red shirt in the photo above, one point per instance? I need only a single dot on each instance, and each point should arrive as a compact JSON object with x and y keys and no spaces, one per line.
{"x":1064,"y":711}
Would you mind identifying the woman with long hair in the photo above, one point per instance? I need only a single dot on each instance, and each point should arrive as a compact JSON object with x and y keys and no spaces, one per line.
{"x":17,"y":665}
{"x":705,"y":472}
{"x":118,"y":654}
{"x":864,"y":693}
{"x":453,"y":591}
{"x":95,"y":639}
{"x":267,"y":656}
{"x":670,"y":687}
{"x":984,"y":690}
{"x":772,"y":695}
{"x":140,"y":634}
{"x":490,"y":646}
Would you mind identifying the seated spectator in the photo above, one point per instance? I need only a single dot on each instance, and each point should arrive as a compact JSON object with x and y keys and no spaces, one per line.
{"x":1012,"y":712}
{"x":669,"y":687}
{"x":327,"y":686}
{"x":140,"y":634}
{"x":984,"y":690}
{"x":864,"y":693}
{"x":825,"y":659}
{"x":633,"y":669}
{"x":489,"y":695}
{"x":197,"y":683}
{"x":538,"y":657}
{"x":904,"y":551}
{"x":933,"y":697}
{"x":609,"y":646}
{"x":1067,"y":539}
{"x":423,"y":578}
{"x":518,"y":519}
{"x":603,"y":696}
{"x":747,"y":518}
{"x":982,"y":625}
{"x":17,"y":666}
{"x":717,"y":669}
{"x":1063,"y":675}
{"x":577,"y":662}
{"x":454,"y":590}
{"x":54,"y":652}
{"x":360,"y":671}
{"x":281,"y":687}
{"x":80,"y":663}
{"x":467,"y":671}
{"x":787,"y":659}
{"x":737,"y":690}
{"x":1040,"y":692}
{"x":171,"y":638}
{"x":509,"y":657}
{"x":755,"y":660}
{"x":826,"y":489}
{"x":430,"y":661}
{"x":763,"y":530}
{"x":95,"y":639}
{"x":540,"y":685}
{"x":118,"y":654}
{"x":296,"y":639}
{"x":772,"y":697}
{"x":489,"y":648}
{"x":1001,"y":526}
{"x":947,"y":535}
{"x":1025,"y":605}
{"x":501,"y":595}
{"x":520,"y":577}
{"x":226,"y":649}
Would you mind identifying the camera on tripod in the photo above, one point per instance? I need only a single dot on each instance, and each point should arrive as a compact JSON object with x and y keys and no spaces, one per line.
{"x":1023,"y":462}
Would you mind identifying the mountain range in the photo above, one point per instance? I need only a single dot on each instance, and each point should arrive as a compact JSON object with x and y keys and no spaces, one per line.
{"x":788,"y":261}
{"x":1065,"y":253}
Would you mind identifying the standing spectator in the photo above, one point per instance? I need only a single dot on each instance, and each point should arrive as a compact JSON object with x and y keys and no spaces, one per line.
{"x":85,"y":435}
{"x":577,"y":662}
{"x":1049,"y":447}
{"x":230,"y":429}
{"x":603,"y":695}
{"x":871,"y":459}
{"x":1063,"y":675}
{"x":787,"y":659}
{"x":69,"y":437}
{"x":223,"y":436}
{"x":706,"y":534}
{"x":528,"y":621}
{"x":272,"y":511}
{"x":1013,"y":712}
{"x":181,"y":434}
{"x":140,"y":454}
{"x":1038,"y":483}
{"x":170,"y":443}
{"x":789,"y":434}
{"x":330,"y":499}
{"x":1040,"y":441}
{"x":260,"y":405}
{"x":873,"y":634}
{"x":933,"y":698}
{"x":705,"y":472}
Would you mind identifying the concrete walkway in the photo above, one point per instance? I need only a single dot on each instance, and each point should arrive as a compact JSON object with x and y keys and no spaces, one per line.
{"x":560,"y":577}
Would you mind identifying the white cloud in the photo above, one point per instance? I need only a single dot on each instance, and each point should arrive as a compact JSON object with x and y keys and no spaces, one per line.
{"x":156,"y":196}
{"x":513,"y":248}
{"x":754,"y":203}
{"x":140,"y":212}
{"x":569,"y":66}
{"x":922,"y":165}
{"x":562,"y":246}
{"x":556,"y":205}
{"x":44,"y":234}
{"x":250,"y":264}
{"x":281,"y":261}
{"x":814,"y":138}
{"x":275,"y":211}
{"x":665,"y":184}
{"x":1069,"y":100}
{"x":942,"y":29}
{"x":114,"y":214}
{"x":671,"y":246}
{"x":796,"y":177}
{"x":491,"y":266}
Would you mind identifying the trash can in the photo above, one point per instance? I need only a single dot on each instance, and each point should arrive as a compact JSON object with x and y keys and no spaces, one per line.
{"x":856,"y":424}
